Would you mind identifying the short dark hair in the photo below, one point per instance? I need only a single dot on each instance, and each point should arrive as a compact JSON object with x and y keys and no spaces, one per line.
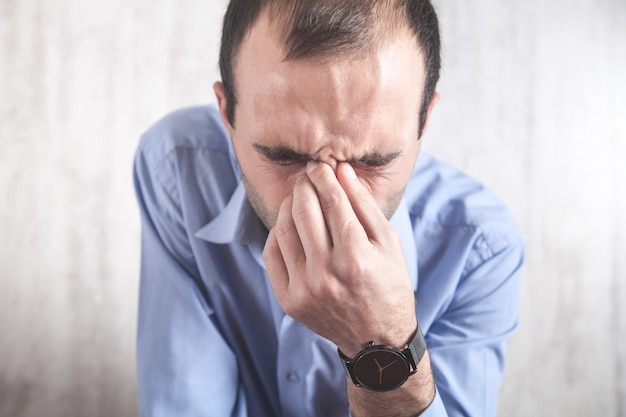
{"x":314,"y":28}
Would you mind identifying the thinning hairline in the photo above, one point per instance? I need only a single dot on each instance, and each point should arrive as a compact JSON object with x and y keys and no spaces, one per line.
{"x":332,"y":55}
{"x":384,"y":28}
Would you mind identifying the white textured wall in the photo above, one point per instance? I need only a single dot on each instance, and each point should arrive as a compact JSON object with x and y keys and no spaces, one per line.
{"x":534,"y":104}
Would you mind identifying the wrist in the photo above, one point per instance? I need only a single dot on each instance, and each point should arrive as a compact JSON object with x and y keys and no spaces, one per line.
{"x":398,"y":337}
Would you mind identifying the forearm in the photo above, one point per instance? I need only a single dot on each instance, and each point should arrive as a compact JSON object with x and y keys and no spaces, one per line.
{"x":409,"y":400}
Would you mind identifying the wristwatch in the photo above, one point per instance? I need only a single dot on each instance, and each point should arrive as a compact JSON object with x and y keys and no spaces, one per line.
{"x":384,"y":368}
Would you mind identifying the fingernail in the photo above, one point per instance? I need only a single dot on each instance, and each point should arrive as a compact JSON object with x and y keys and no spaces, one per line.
{"x":311,"y":165}
{"x":350,"y":171}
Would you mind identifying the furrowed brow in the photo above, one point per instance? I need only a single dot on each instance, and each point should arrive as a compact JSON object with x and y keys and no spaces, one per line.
{"x":285,"y":154}
{"x":281,"y":153}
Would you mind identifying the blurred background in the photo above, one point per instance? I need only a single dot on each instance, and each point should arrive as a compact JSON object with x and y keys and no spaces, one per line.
{"x":533,"y":104}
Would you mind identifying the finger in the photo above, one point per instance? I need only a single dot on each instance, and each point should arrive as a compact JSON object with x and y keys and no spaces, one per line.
{"x":288,"y":240}
{"x":275,"y":267}
{"x":342,"y":223}
{"x":363,"y":202}
{"x":309,"y":219}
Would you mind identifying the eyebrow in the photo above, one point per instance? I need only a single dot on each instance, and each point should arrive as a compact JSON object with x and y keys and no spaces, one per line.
{"x":285,"y":154}
{"x":282,"y":154}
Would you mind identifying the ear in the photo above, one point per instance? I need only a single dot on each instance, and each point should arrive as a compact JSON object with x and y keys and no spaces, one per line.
{"x":222,"y":104}
{"x":431,"y":106}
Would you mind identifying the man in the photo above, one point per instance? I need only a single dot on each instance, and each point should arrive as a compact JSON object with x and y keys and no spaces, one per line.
{"x":297,"y":260}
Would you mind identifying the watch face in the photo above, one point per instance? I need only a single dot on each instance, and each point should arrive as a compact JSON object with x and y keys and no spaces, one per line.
{"x":381,"y":369}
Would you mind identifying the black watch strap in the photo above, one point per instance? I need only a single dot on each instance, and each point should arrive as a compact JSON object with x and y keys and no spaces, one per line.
{"x":415,"y":350}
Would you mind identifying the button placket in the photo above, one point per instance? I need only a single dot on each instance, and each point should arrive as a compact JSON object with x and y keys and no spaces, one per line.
{"x":294,"y":355}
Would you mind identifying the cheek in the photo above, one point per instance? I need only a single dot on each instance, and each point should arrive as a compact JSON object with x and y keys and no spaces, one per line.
{"x":277,"y":182}
{"x":387,"y":188}
{"x":288,"y":174}
{"x":382,"y":183}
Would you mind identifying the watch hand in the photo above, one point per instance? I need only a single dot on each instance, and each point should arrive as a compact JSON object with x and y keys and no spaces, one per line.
{"x":387,"y":366}
{"x":380,"y":370}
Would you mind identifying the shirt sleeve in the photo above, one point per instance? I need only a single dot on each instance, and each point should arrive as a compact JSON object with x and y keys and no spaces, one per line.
{"x":467,"y":342}
{"x":184,"y":367}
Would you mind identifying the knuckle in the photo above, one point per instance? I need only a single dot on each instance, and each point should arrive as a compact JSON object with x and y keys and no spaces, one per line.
{"x":330,"y":200}
{"x":301,"y":212}
{"x":353,"y":266}
{"x":358,"y":266}
{"x":329,"y":290}
{"x":348,"y":231}
{"x":281,"y":230}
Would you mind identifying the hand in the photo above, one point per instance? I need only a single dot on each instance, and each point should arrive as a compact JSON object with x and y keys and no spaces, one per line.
{"x":336,"y":264}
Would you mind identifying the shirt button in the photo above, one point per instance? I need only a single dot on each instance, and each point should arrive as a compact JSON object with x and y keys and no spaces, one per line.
{"x":293,"y":377}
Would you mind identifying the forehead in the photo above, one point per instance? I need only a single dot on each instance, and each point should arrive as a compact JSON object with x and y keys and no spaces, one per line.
{"x":348,"y":102}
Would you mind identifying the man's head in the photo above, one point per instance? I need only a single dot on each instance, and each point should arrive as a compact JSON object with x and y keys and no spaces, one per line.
{"x":327,"y":80}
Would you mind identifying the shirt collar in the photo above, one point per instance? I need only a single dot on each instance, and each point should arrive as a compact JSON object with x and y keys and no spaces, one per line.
{"x":238,"y":223}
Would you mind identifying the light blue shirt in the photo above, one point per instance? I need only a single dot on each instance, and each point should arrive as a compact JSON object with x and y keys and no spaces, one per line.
{"x":212,"y":339}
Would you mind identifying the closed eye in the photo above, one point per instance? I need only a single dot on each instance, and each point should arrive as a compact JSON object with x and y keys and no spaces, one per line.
{"x":375,"y":160}
{"x":290,"y":161}
{"x":282,"y":156}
